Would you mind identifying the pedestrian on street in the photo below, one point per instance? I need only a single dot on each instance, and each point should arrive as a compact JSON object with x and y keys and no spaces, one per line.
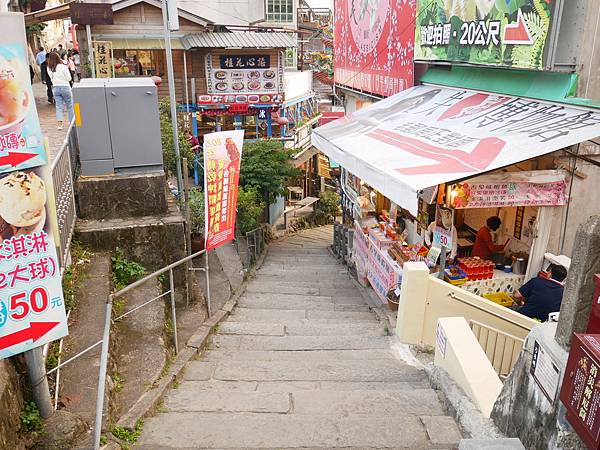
{"x":47,"y":80}
{"x":71,"y":66}
{"x":40,"y":58}
{"x":61,"y":87}
{"x":77,"y":61}
{"x":61,"y":51}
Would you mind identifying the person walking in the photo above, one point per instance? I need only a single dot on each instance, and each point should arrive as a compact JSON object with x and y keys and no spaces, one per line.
{"x":47,"y":80}
{"x":61,"y":51}
{"x":40,"y":58}
{"x":61,"y":88}
{"x":71,"y":66}
{"x":77,"y":61}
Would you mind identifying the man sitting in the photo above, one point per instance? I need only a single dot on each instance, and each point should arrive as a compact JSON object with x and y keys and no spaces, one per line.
{"x":542,"y":296}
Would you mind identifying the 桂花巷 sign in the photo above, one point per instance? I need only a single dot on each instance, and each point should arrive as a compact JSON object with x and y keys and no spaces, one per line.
{"x":510,"y":33}
{"x":444,"y":220}
{"x":103,"y":59}
{"x":21,"y":140}
{"x":222,"y":157}
{"x":373,"y":45}
{"x":32,"y":310}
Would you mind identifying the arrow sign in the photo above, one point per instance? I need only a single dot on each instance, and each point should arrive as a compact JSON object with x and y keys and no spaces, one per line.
{"x":517,"y":33}
{"x":35,"y":331}
{"x":15,"y":158}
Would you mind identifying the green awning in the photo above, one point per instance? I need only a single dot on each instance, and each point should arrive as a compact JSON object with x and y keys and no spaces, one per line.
{"x":555,"y":87}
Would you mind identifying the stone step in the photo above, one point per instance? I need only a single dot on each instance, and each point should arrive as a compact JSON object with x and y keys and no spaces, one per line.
{"x":273,"y":288}
{"x":247,"y":430}
{"x":333,"y":370}
{"x":275,"y":250}
{"x":342,"y":282}
{"x":299,"y":343}
{"x":301,"y":302}
{"x":186,"y":399}
{"x":302,"y":328}
{"x":296,"y":356}
{"x":307,"y":273}
{"x":289,"y":297}
{"x":302,"y":259}
{"x":283,"y":315}
{"x":320,"y":267}
{"x":251,"y":329}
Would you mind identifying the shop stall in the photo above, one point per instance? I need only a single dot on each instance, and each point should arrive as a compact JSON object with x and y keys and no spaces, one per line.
{"x":467,"y":154}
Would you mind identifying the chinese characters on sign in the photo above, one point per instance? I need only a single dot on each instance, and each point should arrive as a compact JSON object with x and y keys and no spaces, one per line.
{"x":245,"y":61}
{"x":444,"y":220}
{"x":495,"y":33}
{"x":490,"y":195}
{"x":373,"y":45}
{"x":222,"y":156}
{"x":382,"y":272}
{"x":545,"y":373}
{"x":103,"y":59}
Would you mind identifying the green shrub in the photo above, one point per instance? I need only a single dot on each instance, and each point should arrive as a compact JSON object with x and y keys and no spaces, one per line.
{"x":197,"y":216}
{"x":31,"y":420}
{"x":124,"y":271}
{"x":249,"y":209}
{"x":327,"y":208}
{"x":166,"y":135}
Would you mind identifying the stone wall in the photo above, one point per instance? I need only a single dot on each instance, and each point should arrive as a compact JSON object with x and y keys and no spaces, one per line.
{"x":11,"y":404}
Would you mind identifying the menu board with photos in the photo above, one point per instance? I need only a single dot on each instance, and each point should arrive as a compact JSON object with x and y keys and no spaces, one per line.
{"x":244,"y":74}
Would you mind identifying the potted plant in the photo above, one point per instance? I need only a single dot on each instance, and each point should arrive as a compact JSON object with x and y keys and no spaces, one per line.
{"x":197,"y":218}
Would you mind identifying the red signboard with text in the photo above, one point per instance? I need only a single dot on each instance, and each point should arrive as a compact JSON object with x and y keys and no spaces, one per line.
{"x":374,"y":44}
{"x":222,"y":157}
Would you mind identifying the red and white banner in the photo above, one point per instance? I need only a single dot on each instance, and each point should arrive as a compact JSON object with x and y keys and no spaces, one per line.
{"x":373,"y":45}
{"x":222,"y":157}
{"x":429,"y":135}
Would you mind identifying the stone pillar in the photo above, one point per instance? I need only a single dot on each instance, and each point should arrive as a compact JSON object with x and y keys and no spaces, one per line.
{"x":413,"y":302}
{"x":579,"y":288}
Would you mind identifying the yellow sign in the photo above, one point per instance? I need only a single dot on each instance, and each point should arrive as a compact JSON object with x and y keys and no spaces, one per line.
{"x":103,"y":59}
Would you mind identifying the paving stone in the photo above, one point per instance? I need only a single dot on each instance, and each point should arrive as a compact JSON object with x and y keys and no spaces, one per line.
{"x":200,"y":370}
{"x":218,"y":385}
{"x":333,"y":329}
{"x":185,"y":399}
{"x":341,"y":315}
{"x":342,"y":370}
{"x":296,"y":356}
{"x":373,"y":403}
{"x":255,"y":329}
{"x":287,"y":386}
{"x":223,"y":341}
{"x":227,"y":430}
{"x":266,"y":315}
{"x":282,"y":289}
{"x":304,"y":342}
{"x":491,"y":444}
{"x":374,"y":385}
{"x":441,"y":429}
{"x":308,"y":303}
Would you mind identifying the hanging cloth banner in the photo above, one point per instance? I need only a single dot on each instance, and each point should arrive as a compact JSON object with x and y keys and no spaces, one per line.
{"x":222,"y":157}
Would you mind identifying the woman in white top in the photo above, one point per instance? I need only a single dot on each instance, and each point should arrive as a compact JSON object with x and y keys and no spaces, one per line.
{"x":61,"y":87}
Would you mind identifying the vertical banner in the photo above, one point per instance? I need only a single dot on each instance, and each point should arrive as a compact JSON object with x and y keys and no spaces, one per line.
{"x":103,"y":59}
{"x":32,"y":310}
{"x":222,"y":157}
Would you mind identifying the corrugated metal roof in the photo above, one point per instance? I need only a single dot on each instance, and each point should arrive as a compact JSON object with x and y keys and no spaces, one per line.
{"x":246,"y":39}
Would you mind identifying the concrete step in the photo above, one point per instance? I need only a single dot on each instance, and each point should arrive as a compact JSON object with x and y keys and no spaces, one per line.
{"x":307,"y":273}
{"x":282,"y":288}
{"x":296,"y":356}
{"x":251,"y":328}
{"x":289,"y":297}
{"x":279,"y":250}
{"x":283,"y":315}
{"x":303,"y":328}
{"x":334,"y":370}
{"x":301,"y":302}
{"x":340,"y":282}
{"x":186,"y":399}
{"x":246,"y":430}
{"x":232,"y":342}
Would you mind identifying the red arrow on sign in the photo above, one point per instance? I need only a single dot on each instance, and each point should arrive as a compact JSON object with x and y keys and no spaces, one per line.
{"x":15,"y":158}
{"x":35,"y":331}
{"x":517,"y":33}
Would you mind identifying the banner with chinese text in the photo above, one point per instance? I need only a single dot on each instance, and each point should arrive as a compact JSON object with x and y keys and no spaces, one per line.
{"x":103,"y":59}
{"x":508,"y":33}
{"x":373,"y":45}
{"x":222,"y":157}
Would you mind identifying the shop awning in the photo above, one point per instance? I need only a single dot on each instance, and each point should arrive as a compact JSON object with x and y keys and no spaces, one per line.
{"x":241,"y":39}
{"x":429,"y":135}
{"x":141,"y":44}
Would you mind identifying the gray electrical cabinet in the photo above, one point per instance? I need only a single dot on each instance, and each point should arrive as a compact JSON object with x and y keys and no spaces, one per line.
{"x":118,"y":125}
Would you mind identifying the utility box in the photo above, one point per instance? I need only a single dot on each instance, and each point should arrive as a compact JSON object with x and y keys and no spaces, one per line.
{"x":580,"y":392}
{"x":118,"y":125}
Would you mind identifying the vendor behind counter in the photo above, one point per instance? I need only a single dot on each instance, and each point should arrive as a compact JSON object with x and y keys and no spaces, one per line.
{"x":484,"y":246}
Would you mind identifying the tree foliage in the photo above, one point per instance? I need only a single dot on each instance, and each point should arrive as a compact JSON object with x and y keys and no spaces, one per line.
{"x":265,"y":166}
{"x":166,"y":136}
{"x":249,"y":209}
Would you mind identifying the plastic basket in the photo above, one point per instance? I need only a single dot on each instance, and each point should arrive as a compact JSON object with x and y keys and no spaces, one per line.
{"x":455,"y":279}
{"x":501,"y":298}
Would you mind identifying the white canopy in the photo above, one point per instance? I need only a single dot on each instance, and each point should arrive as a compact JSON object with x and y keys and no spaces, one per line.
{"x":429,"y":135}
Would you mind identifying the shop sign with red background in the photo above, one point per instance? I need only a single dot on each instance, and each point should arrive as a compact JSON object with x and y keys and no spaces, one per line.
{"x":374,"y":44}
{"x":222,"y":157}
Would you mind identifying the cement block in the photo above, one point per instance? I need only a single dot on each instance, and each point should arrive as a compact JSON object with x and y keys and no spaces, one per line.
{"x":199,"y":370}
{"x":299,"y":357}
{"x":491,"y":444}
{"x":185,"y":399}
{"x":267,"y":315}
{"x":334,"y":329}
{"x":253,"y":329}
{"x":441,"y":429}
{"x":304,"y":342}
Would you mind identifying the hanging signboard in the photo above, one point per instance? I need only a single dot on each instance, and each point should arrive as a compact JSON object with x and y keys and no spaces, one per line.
{"x":222,"y":157}
{"x":373,"y":45}
{"x":383,"y":273}
{"x":103,"y":59}
{"x":32,"y":310}
{"x":508,"y":33}
{"x":491,"y":195}
{"x":21,"y":140}
{"x":91,"y":13}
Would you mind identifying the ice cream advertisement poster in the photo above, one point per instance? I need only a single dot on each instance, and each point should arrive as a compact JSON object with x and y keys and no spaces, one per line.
{"x":21,"y":141}
{"x":222,"y":157}
{"x":32,"y":310}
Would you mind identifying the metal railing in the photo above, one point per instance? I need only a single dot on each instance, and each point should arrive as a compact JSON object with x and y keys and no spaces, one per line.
{"x":501,"y":348}
{"x":64,"y":168}
{"x":255,"y":245}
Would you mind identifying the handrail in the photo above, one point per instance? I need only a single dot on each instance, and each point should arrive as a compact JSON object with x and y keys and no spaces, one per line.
{"x":63,"y":146}
{"x":499,"y":316}
{"x":155,"y":274}
{"x":497,"y":331}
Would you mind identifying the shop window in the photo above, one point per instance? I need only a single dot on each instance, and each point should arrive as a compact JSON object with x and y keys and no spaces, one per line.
{"x":280,"y":11}
{"x":133,"y":63}
{"x":291,"y":58}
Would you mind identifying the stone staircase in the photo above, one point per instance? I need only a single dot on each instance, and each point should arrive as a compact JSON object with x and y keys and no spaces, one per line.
{"x":301,"y":363}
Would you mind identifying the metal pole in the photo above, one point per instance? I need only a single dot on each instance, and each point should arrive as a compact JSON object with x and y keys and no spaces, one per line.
{"x":88,"y":30}
{"x":172,"y":100}
{"x":36,"y":371}
{"x":102,"y":373}
{"x":173,"y":312}
{"x":188,"y":234}
{"x":185,"y":77}
{"x":206,"y":273}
